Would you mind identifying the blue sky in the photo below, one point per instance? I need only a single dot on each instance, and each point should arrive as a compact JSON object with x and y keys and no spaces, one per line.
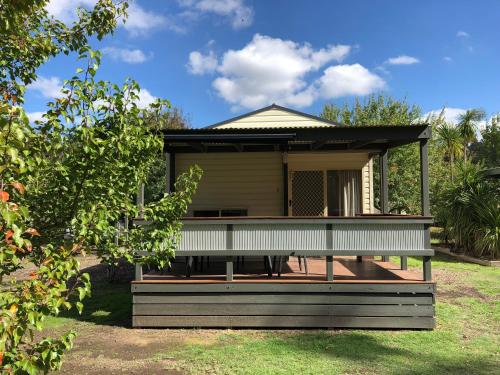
{"x":219,"y":58}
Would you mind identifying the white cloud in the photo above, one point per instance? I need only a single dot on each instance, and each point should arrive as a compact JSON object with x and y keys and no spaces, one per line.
{"x":447,"y":59}
{"x":47,"y":87}
{"x":269,"y":70}
{"x":65,"y":10}
{"x":201,"y":64}
{"x":239,"y":14}
{"x":35,"y":116}
{"x":402,"y":60}
{"x":145,"y":99}
{"x":141,"y":22}
{"x":131,"y":56}
{"x":463,"y":34}
{"x":450,"y":114}
{"x":346,"y":80}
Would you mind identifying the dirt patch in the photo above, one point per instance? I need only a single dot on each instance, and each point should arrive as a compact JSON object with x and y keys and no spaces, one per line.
{"x":453,"y":285}
{"x":463,"y":291}
{"x":101,"y":365}
{"x":121,"y":350}
{"x":115,"y":350}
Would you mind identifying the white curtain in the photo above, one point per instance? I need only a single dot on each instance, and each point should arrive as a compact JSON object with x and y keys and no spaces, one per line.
{"x":348,"y":191}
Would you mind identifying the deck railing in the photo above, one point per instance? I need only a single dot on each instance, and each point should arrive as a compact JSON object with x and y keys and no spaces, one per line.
{"x":377,"y":235}
{"x":370,"y":235}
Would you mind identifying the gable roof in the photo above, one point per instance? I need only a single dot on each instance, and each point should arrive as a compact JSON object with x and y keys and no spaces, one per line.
{"x":272,"y":117}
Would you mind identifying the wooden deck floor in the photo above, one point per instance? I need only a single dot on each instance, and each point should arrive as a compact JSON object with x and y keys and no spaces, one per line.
{"x":346,"y":270}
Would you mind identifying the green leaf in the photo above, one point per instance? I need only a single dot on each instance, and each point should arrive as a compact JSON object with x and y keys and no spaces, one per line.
{"x":79,"y":307}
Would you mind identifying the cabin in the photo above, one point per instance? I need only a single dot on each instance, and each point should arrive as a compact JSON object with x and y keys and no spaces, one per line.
{"x":284,"y":231}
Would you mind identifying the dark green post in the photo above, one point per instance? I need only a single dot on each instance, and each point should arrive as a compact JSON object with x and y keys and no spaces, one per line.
{"x":427,"y":268}
{"x":171,"y":173}
{"x":384,"y":188}
{"x":404,"y":262}
{"x":384,"y":182}
{"x":229,"y":246}
{"x":229,"y":268}
{"x":426,"y":211}
{"x":138,"y":272}
{"x":329,"y":268}
{"x":285,"y":184}
{"x":424,"y":178}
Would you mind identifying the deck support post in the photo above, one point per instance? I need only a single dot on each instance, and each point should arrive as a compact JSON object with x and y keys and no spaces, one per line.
{"x":426,"y":211}
{"x":404,"y":262}
{"x":427,"y":268}
{"x":285,"y":184}
{"x":171,"y":172}
{"x":138,"y":272}
{"x":229,"y":246}
{"x":384,"y":188}
{"x":329,"y":268}
{"x":384,"y":182}
{"x":359,"y":258}
{"x":229,"y":268}
{"x":424,"y":177}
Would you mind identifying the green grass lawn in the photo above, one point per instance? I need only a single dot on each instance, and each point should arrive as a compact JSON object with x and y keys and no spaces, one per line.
{"x":466,"y":340}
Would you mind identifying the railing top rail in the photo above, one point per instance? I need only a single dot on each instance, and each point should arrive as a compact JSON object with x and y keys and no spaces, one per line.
{"x":365,"y":219}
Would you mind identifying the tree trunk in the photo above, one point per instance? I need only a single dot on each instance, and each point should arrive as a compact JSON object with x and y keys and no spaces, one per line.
{"x":451,"y":166}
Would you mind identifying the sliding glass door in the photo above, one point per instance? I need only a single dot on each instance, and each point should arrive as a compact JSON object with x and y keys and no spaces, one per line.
{"x":321,"y":193}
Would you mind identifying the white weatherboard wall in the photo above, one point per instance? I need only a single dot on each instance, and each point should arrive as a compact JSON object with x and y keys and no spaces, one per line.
{"x":237,"y":180}
{"x":254,"y":180}
{"x":273,"y":118}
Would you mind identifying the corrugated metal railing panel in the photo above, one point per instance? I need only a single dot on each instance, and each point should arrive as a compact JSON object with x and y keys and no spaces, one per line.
{"x":304,"y":236}
{"x":279,"y":237}
{"x":203,"y":237}
{"x":378,"y":237}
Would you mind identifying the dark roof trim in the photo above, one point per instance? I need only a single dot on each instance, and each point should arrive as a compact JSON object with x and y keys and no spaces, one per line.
{"x":231,"y":137}
{"x":311,"y":134}
{"x":273,"y":106}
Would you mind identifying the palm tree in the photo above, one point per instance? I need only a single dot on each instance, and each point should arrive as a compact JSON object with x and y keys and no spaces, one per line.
{"x":449,"y":138}
{"x":467,"y":124}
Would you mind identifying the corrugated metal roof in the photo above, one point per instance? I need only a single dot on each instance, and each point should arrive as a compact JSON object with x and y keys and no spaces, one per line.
{"x":273,"y":117}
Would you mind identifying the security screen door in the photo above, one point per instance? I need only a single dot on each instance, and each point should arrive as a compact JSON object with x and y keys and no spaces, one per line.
{"x":308,"y":193}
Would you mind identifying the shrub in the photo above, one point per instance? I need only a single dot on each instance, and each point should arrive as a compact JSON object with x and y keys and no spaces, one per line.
{"x":470,"y":212}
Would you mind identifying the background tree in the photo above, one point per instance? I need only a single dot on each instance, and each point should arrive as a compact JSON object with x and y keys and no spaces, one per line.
{"x":468,"y":124}
{"x":448,"y":139}
{"x":488,"y":150}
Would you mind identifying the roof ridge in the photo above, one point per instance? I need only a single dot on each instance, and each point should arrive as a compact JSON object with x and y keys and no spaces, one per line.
{"x":273,"y":106}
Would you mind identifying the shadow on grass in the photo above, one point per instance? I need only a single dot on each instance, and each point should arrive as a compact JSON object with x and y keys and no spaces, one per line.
{"x":342,"y":352}
{"x":111,"y":301}
{"x":110,"y":304}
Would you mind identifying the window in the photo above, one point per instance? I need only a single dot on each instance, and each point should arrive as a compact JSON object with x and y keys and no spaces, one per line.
{"x":236,"y":212}
{"x":221,"y":213}
{"x":206,"y":213}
